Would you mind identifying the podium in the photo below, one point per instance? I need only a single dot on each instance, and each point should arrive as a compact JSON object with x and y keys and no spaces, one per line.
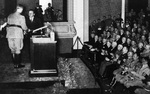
{"x":43,"y":57}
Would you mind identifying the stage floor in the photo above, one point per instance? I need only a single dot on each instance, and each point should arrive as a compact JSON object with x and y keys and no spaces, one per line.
{"x":72,"y":70}
{"x":9,"y":74}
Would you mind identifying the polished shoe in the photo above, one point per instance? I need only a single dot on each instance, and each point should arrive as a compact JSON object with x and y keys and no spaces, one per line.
{"x":108,"y":85}
{"x":109,"y":90}
{"x":19,"y":66}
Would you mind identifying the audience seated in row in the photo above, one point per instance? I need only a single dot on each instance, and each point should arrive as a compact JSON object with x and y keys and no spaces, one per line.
{"x":122,"y":51}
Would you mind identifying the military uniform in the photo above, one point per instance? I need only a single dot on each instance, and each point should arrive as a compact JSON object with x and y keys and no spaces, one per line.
{"x":16,"y":25}
{"x":15,"y":34}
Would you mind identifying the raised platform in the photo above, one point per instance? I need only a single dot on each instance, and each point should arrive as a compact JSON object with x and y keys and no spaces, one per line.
{"x":85,"y":91}
{"x":30,"y":85}
{"x":73,"y":77}
{"x":72,"y":70}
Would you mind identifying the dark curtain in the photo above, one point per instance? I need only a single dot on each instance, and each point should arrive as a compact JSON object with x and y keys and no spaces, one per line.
{"x":137,"y":5}
{"x":10,"y":6}
{"x":65,"y":5}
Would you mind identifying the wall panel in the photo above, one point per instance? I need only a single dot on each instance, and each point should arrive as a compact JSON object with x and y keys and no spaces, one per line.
{"x":100,"y":8}
{"x":29,"y":4}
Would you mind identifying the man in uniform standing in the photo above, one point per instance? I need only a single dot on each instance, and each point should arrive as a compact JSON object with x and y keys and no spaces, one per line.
{"x":16,"y":25}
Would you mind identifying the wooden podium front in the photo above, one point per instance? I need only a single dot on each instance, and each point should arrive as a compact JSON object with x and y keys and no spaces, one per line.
{"x":43,"y":57}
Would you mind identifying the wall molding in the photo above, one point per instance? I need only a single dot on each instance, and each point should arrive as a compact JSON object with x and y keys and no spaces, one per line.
{"x":86,"y":20}
{"x":66,"y":29}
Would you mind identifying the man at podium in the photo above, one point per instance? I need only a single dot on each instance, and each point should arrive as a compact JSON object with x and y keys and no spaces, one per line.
{"x":33,"y":23}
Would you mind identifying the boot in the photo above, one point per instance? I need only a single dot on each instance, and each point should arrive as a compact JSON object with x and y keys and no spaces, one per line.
{"x":13,"y":58}
{"x":18,"y":61}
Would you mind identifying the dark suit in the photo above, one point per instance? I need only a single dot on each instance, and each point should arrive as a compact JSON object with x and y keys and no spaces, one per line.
{"x":122,"y":57}
{"x":36,"y":23}
{"x":32,"y":25}
{"x":91,"y":41}
{"x":38,"y":13}
{"x":113,"y":50}
{"x":139,"y":51}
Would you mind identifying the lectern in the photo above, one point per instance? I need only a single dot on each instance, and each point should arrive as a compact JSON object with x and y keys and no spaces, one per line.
{"x":43,"y":56}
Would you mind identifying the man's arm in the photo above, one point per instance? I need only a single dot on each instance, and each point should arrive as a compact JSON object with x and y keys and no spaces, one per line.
{"x":136,"y":74}
{"x":23,"y":23}
{"x":2,"y":26}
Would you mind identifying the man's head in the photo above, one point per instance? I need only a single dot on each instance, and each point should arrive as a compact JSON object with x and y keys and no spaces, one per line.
{"x":19,"y":8}
{"x":119,"y":47}
{"x":130,"y":54}
{"x":31,"y":13}
{"x":125,"y":49}
{"x":114,"y":44}
{"x":104,"y":17}
{"x":109,"y":16}
{"x":49,"y":4}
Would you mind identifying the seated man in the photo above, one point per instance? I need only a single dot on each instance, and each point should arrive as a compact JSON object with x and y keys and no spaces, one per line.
{"x":91,"y":40}
{"x":146,"y":87}
{"x":90,"y":47}
{"x":139,"y":74}
{"x":108,"y":58}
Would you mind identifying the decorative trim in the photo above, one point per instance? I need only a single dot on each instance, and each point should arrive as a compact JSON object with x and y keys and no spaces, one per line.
{"x":86,"y":20}
{"x":66,"y":29}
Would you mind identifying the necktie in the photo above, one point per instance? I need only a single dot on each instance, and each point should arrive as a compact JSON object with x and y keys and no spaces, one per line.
{"x":31,"y":19}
